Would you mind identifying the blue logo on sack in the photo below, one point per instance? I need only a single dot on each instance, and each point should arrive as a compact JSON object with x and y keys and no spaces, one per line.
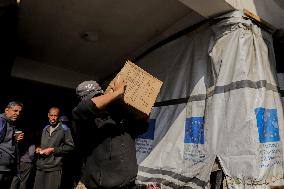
{"x":194,"y":130}
{"x":267,"y":124}
{"x":150,"y":132}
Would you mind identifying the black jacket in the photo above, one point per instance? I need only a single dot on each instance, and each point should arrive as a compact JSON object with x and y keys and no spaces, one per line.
{"x":106,"y":140}
{"x":7,"y":144}
{"x":62,"y":142}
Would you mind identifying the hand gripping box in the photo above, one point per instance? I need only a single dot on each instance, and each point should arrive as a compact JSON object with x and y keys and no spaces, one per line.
{"x":142,"y":88}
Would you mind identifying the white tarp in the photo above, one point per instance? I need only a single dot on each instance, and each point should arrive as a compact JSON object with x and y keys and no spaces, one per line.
{"x":219,"y":99}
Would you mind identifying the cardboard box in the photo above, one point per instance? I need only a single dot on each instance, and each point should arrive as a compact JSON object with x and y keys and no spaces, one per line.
{"x":142,"y":88}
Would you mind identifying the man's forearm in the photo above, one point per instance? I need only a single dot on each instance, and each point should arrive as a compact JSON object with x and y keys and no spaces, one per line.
{"x":65,"y":149}
{"x":104,"y":100}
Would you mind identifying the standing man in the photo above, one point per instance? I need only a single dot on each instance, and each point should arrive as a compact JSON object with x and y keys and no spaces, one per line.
{"x":8,"y":141}
{"x":56,"y":141}
{"x":106,"y":137}
{"x":26,"y":174}
{"x":26,"y":178}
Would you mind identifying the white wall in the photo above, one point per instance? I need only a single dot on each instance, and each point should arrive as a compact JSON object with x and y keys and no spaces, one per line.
{"x":37,"y":71}
{"x":269,"y":10}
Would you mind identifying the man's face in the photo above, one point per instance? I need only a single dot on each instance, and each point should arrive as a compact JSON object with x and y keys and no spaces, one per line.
{"x":53,"y":115}
{"x":13,"y":113}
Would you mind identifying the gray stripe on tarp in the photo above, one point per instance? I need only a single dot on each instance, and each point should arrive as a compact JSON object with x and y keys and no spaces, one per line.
{"x":174,"y":175}
{"x":163,"y":181}
{"x":245,"y":84}
{"x":222,"y":89}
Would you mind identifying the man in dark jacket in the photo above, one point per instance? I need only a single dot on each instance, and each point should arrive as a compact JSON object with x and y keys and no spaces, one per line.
{"x":56,"y":141}
{"x":8,"y":143}
{"x":106,"y":137}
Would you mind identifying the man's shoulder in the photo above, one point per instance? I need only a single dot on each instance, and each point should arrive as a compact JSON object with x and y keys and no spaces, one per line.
{"x":64,"y":127}
{"x":3,"y":127}
{"x":45,"y":127}
{"x":3,"y":120}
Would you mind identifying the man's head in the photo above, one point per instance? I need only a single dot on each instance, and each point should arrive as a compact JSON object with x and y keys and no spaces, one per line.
{"x":64,"y":119}
{"x":88,"y":89}
{"x":13,"y":110}
{"x":53,"y":115}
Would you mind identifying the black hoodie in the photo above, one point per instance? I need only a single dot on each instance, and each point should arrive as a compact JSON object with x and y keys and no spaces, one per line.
{"x":107,"y":144}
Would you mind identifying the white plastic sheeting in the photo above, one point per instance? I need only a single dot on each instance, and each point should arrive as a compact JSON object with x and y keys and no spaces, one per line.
{"x":219,"y":99}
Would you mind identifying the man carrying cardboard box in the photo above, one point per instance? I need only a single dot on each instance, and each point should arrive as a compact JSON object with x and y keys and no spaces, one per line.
{"x":106,"y":137}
